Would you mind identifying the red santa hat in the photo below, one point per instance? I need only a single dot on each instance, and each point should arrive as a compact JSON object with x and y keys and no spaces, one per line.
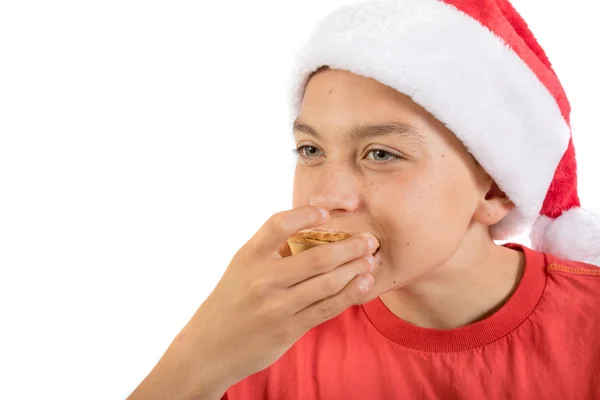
{"x":475,"y":66}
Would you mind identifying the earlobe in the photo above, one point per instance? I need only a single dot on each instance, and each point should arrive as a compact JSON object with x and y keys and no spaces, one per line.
{"x":494,"y":206}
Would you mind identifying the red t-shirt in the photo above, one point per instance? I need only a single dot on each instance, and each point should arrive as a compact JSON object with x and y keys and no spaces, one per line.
{"x":544,"y":343}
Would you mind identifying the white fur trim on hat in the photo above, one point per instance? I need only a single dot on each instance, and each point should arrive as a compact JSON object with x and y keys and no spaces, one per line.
{"x":464,"y":75}
{"x":575,"y":235}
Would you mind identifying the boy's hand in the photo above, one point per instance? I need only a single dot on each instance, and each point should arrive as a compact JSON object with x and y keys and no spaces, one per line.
{"x":266,"y":301}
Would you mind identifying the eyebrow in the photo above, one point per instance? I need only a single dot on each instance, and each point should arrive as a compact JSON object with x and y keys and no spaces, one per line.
{"x":359,"y":131}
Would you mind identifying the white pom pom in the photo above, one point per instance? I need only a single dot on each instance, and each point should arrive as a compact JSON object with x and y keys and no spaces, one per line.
{"x":574,"y":236}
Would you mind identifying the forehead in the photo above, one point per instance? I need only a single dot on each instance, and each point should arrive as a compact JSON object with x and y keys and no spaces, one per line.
{"x":338,"y":96}
{"x":340,"y":99}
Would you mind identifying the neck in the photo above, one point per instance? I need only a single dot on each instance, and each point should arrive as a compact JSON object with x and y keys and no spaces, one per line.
{"x":469,"y":288}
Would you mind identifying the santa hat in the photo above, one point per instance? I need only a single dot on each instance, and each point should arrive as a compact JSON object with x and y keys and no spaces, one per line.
{"x":475,"y":66}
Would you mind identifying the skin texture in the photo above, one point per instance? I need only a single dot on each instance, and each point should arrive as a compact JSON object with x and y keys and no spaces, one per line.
{"x":431,"y":209}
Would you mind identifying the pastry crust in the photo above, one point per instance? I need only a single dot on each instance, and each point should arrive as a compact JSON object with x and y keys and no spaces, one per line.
{"x":308,"y":238}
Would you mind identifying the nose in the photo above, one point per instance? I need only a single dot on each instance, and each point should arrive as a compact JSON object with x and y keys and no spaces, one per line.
{"x":336,"y":190}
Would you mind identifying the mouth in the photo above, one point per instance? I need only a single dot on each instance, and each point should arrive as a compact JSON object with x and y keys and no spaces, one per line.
{"x":308,"y":238}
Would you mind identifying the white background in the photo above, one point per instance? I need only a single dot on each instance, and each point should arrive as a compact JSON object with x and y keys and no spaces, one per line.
{"x":141,"y":144}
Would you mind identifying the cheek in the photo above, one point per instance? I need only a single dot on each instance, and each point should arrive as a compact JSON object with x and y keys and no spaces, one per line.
{"x":302,"y":188}
{"x":424,"y":218}
{"x":451,"y":190}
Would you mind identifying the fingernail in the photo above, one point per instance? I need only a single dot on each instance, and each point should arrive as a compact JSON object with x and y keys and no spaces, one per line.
{"x":372,"y":242}
{"x":364,"y":284}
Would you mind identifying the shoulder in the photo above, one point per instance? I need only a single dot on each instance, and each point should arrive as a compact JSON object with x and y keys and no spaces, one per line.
{"x":574,"y":283}
{"x":556,"y":266}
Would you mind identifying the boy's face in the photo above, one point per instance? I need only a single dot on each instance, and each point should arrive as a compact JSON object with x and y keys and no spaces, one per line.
{"x":381,"y":164}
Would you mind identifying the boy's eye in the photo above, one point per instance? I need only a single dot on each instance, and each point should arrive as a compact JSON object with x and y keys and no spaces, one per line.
{"x":307,"y":151}
{"x":382,"y":155}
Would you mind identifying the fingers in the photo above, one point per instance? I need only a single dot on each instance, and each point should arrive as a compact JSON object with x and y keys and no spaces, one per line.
{"x":330,"y":307}
{"x":276,"y":230}
{"x":329,"y":284}
{"x":321,"y":259}
{"x":284,"y":250}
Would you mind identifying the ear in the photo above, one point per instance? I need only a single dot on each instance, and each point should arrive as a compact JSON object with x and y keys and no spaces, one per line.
{"x":494,"y":206}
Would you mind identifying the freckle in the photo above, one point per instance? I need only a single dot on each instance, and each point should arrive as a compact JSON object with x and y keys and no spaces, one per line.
{"x":330,"y":91}
{"x":408,"y":243}
{"x":380,"y":262}
{"x":443,"y":155}
{"x":394,"y":282}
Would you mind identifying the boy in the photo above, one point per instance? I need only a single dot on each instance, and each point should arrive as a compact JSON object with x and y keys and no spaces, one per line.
{"x":427,"y":129}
